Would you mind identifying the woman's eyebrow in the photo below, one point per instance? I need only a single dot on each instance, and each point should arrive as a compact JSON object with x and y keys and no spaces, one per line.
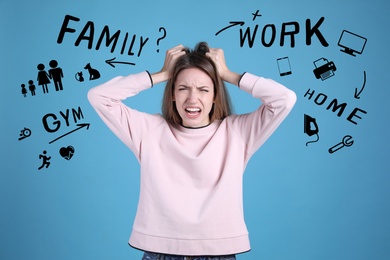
{"x":187,"y":87}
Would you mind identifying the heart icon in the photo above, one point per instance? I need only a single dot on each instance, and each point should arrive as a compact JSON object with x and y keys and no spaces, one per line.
{"x":67,"y":152}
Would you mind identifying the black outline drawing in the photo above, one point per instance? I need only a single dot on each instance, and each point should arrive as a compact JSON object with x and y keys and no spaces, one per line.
{"x":347,"y":142}
{"x":56,"y":74}
{"x":282,"y":71}
{"x":357,"y":94}
{"x":232,"y":24}
{"x":93,"y":73}
{"x":255,"y":15}
{"x":43,"y":78}
{"x":325,"y":70}
{"x":162,"y":37}
{"x":31,"y":87}
{"x":348,"y":49}
{"x":45,"y":160}
{"x":79,"y":76}
{"x":24,"y":90}
{"x":26,"y":132}
{"x":308,"y":123}
{"x":67,"y":152}
{"x":111,"y":62}
{"x":80,"y":126}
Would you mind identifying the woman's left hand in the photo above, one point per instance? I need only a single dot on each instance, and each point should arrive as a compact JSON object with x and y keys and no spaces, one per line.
{"x":218,"y":57}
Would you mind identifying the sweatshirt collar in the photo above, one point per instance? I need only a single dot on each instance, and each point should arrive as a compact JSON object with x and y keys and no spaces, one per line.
{"x":200,"y":130}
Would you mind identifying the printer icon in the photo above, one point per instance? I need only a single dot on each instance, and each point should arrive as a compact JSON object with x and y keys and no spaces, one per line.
{"x":324,"y":69}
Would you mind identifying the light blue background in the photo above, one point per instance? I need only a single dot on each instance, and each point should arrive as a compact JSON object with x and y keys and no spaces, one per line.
{"x":300,"y":201}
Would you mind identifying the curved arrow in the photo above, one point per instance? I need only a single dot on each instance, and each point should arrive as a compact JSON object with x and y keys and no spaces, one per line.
{"x":79,"y":127}
{"x":231,"y":25}
{"x":111,"y":62}
{"x":357,"y":94}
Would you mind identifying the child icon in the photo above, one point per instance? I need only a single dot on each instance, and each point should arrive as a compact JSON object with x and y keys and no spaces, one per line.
{"x":43,"y":78}
{"x":24,"y":90}
{"x":45,"y":160}
{"x":31,"y":87}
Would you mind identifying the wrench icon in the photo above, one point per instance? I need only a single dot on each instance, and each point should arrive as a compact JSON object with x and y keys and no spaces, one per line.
{"x":347,"y":141}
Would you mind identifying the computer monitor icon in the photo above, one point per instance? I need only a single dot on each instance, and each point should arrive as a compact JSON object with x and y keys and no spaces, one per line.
{"x":351,"y":43}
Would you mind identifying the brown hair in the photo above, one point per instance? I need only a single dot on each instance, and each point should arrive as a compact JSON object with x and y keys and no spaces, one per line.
{"x":196,"y":59}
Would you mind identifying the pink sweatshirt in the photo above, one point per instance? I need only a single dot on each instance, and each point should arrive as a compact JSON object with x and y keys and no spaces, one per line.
{"x":191,"y":179}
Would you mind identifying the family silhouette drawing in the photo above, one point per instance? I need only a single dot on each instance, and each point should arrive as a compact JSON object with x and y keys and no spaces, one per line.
{"x":55,"y":73}
{"x":44,"y":78}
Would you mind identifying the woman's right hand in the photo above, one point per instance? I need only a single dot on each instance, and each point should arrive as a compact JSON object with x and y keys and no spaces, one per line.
{"x":171,"y":57}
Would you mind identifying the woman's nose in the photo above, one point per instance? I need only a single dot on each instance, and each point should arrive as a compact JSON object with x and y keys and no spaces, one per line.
{"x":192,"y":95}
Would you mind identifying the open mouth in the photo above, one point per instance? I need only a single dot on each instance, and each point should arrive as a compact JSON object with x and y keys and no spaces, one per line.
{"x":193,"y":111}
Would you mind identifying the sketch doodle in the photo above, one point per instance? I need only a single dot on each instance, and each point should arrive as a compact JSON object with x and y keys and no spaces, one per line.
{"x":26,"y":132}
{"x":346,"y":142}
{"x":93,"y":73}
{"x":324,"y":69}
{"x":56,"y":74}
{"x":335,"y":105}
{"x":45,"y":160}
{"x":162,"y":37}
{"x":112,"y":61}
{"x":67,"y":152}
{"x":43,"y":78}
{"x":311,"y":128}
{"x":232,"y":24}
{"x":284,"y":66}
{"x":351,"y":43}
{"x":256,"y":14}
{"x":288,"y":30}
{"x":80,"y":126}
{"x":105,"y":37}
{"x":79,"y":76}
{"x":31,"y":87}
{"x":24,"y":90}
{"x":358,"y":92}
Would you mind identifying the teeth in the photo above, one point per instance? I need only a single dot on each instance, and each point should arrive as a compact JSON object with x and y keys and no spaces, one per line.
{"x":192,"y":109}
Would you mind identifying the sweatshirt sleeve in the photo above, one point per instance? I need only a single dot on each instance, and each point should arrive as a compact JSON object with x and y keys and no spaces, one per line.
{"x":128,"y":124}
{"x":276,"y":103}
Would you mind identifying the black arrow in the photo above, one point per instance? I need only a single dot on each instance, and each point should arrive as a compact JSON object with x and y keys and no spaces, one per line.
{"x":79,"y":127}
{"x":111,"y":62}
{"x":357,"y":94}
{"x":231,"y":25}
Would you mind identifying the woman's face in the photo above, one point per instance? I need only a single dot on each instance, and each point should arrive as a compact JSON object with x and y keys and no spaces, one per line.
{"x":194,"y":97}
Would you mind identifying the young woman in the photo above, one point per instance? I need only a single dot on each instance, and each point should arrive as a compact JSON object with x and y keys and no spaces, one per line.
{"x":193,"y":156}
